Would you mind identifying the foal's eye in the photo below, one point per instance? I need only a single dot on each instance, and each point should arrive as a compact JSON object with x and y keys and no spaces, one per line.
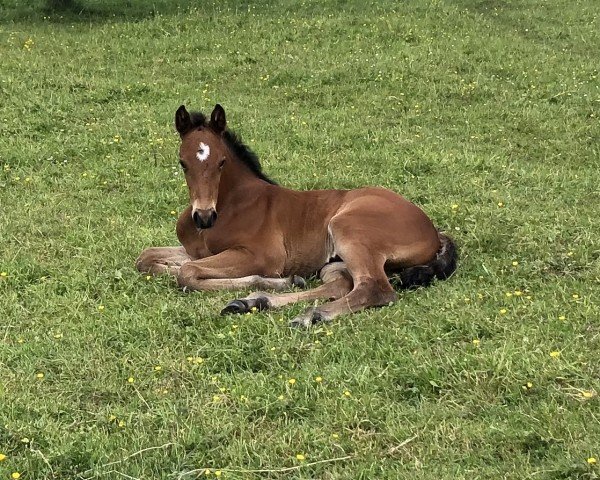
{"x":182,"y":165}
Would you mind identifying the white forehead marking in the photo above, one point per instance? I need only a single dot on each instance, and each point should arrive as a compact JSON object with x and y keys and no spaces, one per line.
{"x":203,"y":152}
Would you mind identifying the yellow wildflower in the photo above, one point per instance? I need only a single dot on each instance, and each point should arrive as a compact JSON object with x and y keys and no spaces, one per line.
{"x":502,"y":311}
{"x":292,"y":381}
{"x":347,"y":393}
{"x":518,"y":293}
{"x":2,"y":457}
{"x":555,"y":354}
{"x":130,"y":380}
{"x":575,"y":296}
{"x":3,"y":274}
{"x":100,"y":308}
{"x":300,"y":457}
{"x":562,"y":317}
{"x":476,"y":342}
{"x":587,"y":394}
{"x":318,"y":379}
{"x":592,"y":461}
{"x":157,"y":368}
{"x":515,"y":263}
{"x":454,"y":206}
{"x":122,"y":423}
{"x":39,"y":375}
{"x":15,"y":475}
{"x":218,"y":473}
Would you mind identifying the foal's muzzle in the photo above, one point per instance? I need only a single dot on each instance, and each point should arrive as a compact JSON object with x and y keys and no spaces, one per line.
{"x":204,"y":218}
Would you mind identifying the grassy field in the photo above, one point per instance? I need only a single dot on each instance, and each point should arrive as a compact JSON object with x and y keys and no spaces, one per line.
{"x":483,"y":112}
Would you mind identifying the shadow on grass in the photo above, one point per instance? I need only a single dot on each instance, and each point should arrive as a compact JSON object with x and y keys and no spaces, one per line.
{"x":92,"y":11}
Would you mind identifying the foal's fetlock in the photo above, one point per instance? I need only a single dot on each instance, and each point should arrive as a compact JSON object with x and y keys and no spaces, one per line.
{"x":246,"y":305}
{"x":310,"y":317}
{"x":298,"y":281}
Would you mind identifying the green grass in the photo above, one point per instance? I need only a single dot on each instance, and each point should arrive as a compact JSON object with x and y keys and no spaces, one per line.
{"x":485,"y":113}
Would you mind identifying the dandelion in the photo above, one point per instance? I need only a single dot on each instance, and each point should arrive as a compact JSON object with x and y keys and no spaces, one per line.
{"x":148,"y":277}
{"x":347,"y":393}
{"x":300,"y":457}
{"x":3,"y":274}
{"x":335,"y":435}
{"x":518,"y":293}
{"x":515,"y":263}
{"x":130,"y":380}
{"x":587,"y":394}
{"x":100,"y":308}
{"x":454,"y":206}
{"x":218,"y":473}
{"x":318,"y":379}
{"x":555,"y":354}
{"x":562,"y":317}
{"x":529,"y":385}
{"x":15,"y":475}
{"x":2,"y":457}
{"x":292,"y":381}
{"x":509,"y":294}
{"x":500,"y":204}
{"x":476,"y":342}
{"x":280,"y":397}
{"x":157,"y":368}
{"x":173,"y":212}
{"x":592,"y":460}
{"x":122,"y":423}
{"x":253,"y":309}
{"x":502,"y":311}
{"x":39,"y":375}
{"x":575,"y":296}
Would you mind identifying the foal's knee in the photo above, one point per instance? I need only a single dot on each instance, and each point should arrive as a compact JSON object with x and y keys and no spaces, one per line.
{"x":187,"y":276}
{"x":145,"y":260}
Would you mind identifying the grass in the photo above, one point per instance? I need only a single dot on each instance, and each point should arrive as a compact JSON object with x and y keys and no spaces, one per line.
{"x":485,"y":113}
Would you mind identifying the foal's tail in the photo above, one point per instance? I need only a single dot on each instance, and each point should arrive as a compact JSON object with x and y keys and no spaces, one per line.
{"x":441,"y":267}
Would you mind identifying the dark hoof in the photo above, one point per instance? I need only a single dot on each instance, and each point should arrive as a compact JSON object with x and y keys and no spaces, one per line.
{"x":307,"y":319}
{"x":298,"y":281}
{"x":236,"y":306}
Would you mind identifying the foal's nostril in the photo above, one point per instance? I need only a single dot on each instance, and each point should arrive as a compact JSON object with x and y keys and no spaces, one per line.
{"x":197,"y":219}
{"x":204,"y":218}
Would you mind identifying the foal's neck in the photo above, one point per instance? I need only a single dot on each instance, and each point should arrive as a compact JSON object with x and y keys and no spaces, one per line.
{"x":236,"y":179}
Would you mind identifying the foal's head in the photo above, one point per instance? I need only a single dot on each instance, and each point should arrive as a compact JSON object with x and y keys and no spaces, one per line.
{"x":202,"y":156}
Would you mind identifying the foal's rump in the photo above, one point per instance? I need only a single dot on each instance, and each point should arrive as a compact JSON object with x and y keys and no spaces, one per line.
{"x":442,"y":266}
{"x":386,"y":227}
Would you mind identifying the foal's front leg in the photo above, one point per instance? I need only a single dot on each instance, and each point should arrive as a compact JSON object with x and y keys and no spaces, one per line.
{"x":231,"y":270}
{"x":157,"y":260}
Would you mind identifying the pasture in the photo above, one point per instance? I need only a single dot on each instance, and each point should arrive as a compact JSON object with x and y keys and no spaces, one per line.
{"x":484,"y":113}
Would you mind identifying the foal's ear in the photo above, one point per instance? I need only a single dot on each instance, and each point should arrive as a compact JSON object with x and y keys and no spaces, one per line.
{"x":183,"y":122}
{"x":217,"y":119}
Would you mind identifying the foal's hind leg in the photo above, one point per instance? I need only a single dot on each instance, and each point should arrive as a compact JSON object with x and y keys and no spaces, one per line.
{"x":157,"y":260}
{"x":337,"y":283}
{"x":371,"y":288}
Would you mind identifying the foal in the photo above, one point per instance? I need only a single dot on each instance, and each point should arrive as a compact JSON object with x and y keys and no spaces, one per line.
{"x":242,"y":230}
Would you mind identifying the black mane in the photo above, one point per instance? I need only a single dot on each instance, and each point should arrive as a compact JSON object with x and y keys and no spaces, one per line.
{"x":237,"y":146}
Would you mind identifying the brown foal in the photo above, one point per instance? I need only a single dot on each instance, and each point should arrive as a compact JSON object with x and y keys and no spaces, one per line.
{"x":242,"y":230}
